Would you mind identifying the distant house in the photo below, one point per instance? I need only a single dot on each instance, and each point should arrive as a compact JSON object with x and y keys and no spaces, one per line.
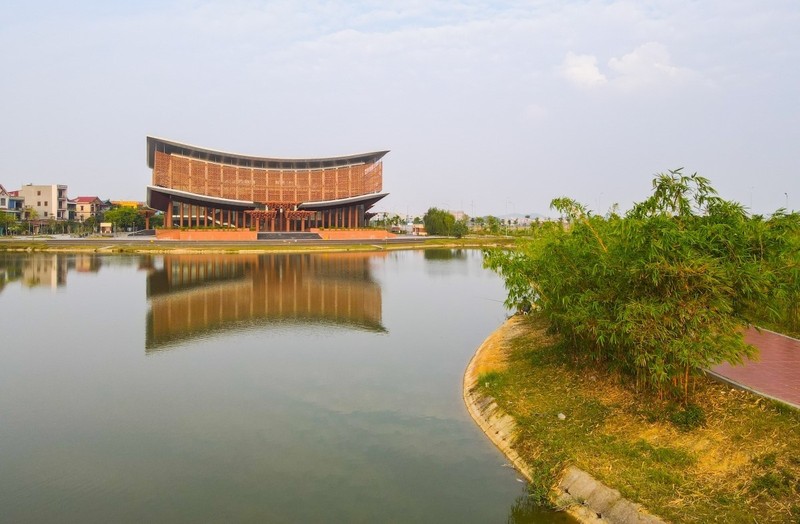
{"x":47,"y":201}
{"x":87,"y":206}
{"x":128,"y":203}
{"x":459,"y":215}
{"x":11,"y":202}
{"x":419,"y":230}
{"x":5,"y":200}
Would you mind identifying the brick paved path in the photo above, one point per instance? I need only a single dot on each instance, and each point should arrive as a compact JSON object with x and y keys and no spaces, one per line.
{"x":776,"y":373}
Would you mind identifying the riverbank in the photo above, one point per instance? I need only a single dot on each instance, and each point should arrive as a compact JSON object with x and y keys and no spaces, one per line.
{"x":143,"y":245}
{"x":733,"y":457}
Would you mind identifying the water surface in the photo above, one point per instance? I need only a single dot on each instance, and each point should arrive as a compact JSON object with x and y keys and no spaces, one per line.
{"x":263,"y":388}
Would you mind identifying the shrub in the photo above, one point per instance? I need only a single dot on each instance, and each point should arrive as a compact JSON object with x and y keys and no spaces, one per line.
{"x":662,"y":292}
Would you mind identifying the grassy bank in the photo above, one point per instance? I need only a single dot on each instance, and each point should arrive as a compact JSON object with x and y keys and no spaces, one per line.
{"x":730,"y":457}
{"x":121,"y":245}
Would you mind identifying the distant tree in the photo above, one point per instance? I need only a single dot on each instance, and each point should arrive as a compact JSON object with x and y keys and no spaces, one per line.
{"x":7,"y":222}
{"x":493,"y":224}
{"x":460,"y":228}
{"x":125,"y":217}
{"x":90,"y":224}
{"x":439,"y":222}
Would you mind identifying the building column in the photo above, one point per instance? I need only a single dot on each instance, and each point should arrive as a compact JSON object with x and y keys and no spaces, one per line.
{"x":169,"y":217}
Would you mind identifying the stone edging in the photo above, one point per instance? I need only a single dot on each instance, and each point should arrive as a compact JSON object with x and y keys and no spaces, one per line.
{"x":584,"y":497}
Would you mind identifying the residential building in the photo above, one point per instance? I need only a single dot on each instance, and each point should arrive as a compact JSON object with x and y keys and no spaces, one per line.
{"x":87,"y":206}
{"x":4,"y":198}
{"x":128,"y":203}
{"x":47,"y":201}
{"x":10,"y":202}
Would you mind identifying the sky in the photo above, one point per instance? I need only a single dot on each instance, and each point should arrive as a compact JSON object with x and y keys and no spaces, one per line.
{"x":490,"y":107}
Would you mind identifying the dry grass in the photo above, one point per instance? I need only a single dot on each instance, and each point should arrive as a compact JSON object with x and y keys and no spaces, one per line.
{"x":742,"y":464}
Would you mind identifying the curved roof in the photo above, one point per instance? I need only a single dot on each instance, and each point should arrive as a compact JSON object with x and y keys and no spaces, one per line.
{"x":155,"y":192}
{"x":235,"y":159}
{"x":197,"y":198}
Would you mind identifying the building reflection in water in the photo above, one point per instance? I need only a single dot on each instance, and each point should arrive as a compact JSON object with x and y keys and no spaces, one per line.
{"x":194,"y":295}
{"x":47,"y":270}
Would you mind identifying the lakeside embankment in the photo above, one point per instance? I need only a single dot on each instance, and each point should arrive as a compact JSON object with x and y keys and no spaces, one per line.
{"x":142,"y":245}
{"x":729,"y":457}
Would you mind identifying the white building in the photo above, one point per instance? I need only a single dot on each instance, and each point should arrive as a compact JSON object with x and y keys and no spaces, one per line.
{"x":49,"y":201}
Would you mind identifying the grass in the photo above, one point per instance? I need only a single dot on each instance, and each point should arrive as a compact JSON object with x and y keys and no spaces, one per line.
{"x":730,"y":456}
{"x":119,"y":245}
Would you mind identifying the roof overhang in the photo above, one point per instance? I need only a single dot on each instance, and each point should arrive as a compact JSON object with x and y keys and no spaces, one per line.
{"x":236,"y":159}
{"x":155,"y":199}
{"x":367,"y":200}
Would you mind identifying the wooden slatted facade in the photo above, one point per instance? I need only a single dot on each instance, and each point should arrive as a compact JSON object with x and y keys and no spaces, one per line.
{"x":199,"y":187}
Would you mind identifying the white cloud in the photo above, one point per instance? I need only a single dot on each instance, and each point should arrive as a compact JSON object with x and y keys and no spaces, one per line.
{"x":647,"y":66}
{"x":582,"y":70}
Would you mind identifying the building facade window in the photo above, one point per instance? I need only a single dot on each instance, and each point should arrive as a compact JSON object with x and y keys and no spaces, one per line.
{"x":45,"y":214}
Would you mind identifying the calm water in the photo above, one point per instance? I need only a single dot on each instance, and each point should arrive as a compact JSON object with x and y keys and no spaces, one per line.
{"x":264,"y":388}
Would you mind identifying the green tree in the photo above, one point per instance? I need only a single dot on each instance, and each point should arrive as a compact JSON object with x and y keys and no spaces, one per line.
{"x":157,"y":220}
{"x":7,"y":222}
{"x":661,"y":293}
{"x":460,"y":228}
{"x":124,"y":218}
{"x":439,"y":222}
{"x":493,"y":224}
{"x":90,"y":224}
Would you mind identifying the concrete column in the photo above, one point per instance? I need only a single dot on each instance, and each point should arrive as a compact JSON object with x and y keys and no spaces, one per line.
{"x":168,"y":218}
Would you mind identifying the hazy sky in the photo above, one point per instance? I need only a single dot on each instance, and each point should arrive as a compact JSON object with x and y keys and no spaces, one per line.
{"x":486,"y":106}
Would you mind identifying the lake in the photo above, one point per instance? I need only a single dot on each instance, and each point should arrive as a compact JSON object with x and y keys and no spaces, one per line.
{"x":247,"y":388}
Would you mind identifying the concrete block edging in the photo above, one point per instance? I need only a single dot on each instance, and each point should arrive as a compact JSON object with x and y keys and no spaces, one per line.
{"x":580,"y":494}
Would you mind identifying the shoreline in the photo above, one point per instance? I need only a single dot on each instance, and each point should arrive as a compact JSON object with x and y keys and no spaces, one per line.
{"x":577,"y":493}
{"x":124,"y":245}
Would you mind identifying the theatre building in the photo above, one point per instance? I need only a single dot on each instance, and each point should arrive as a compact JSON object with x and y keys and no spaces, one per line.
{"x":200,"y":188}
